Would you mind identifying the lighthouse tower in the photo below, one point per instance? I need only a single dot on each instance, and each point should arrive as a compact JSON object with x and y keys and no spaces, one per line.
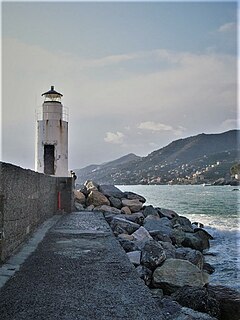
{"x":51,"y":149}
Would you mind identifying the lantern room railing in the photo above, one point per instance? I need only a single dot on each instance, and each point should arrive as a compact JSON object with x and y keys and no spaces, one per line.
{"x":39,"y":114}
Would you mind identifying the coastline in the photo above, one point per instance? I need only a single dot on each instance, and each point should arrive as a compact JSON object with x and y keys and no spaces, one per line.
{"x":167,"y":249}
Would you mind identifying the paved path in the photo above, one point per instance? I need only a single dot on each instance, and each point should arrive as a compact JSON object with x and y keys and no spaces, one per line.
{"x":77,"y":272}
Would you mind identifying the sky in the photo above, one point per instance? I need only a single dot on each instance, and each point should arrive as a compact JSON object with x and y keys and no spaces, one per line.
{"x":134,"y":75}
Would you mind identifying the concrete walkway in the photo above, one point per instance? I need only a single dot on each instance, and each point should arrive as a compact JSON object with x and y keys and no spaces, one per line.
{"x":77,"y":272}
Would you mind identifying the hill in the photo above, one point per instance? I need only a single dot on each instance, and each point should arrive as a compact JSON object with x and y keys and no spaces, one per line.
{"x":98,"y":172}
{"x":196,"y":159}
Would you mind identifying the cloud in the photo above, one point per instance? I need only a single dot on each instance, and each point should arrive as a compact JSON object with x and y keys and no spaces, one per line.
{"x":227,"y":27}
{"x":115,"y":138}
{"x":154,"y":126}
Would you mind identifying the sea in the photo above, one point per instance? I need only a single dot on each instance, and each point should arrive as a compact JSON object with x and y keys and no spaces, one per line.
{"x":217,"y":207}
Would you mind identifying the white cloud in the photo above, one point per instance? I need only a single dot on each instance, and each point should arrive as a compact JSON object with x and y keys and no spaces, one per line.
{"x":115,"y":138}
{"x":227,"y":27}
{"x":156,"y":126}
{"x":153,"y":126}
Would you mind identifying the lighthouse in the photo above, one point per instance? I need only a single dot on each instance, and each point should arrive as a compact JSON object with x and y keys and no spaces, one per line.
{"x":51,"y":147}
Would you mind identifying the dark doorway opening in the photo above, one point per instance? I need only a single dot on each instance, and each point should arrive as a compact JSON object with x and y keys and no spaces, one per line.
{"x":49,"y":159}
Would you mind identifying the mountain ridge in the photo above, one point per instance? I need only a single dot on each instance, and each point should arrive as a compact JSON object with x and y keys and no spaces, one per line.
{"x":180,"y":159}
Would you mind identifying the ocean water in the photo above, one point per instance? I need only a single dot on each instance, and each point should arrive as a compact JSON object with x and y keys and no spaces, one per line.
{"x":217,"y":207}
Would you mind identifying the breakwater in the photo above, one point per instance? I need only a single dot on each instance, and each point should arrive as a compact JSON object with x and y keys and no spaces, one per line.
{"x":167,"y":250}
{"x":27,"y":198}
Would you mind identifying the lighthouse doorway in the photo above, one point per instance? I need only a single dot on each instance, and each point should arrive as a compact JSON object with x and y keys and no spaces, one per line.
{"x":49,"y":150}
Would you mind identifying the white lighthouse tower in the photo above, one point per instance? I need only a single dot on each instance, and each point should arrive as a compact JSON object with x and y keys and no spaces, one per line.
{"x":51,"y":149}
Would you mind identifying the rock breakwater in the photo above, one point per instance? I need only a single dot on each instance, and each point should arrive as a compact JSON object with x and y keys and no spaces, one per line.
{"x":167,"y":251}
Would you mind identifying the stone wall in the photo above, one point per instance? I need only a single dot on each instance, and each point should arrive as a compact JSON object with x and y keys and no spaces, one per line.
{"x":27,"y":198}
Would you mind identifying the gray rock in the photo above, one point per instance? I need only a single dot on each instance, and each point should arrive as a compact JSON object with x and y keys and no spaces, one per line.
{"x":135,"y":217}
{"x":189,"y":314}
{"x":176,"y":273}
{"x":229,"y":300}
{"x":194,"y":256}
{"x":115,"y":202}
{"x":134,"y":196}
{"x":198,"y":299}
{"x":169,"y":249}
{"x":134,"y":205}
{"x":149,"y":210}
{"x":204,"y":236}
{"x":107,"y":209}
{"x":141,"y":234}
{"x":177,"y":236}
{"x":79,"y":206}
{"x":153,"y":254}
{"x":167,"y":213}
{"x":208,"y":268}
{"x":128,"y":245}
{"x":145,"y":274}
{"x":134,"y":257}
{"x":170,"y":307}
{"x":173,"y":311}
{"x":191,"y":240}
{"x":184,"y":223}
{"x":158,"y":235}
{"x":118,"y":224}
{"x":162,"y":225}
{"x":111,"y":191}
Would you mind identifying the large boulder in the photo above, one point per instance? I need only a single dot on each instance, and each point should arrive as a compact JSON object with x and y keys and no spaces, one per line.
{"x":169,"y":249}
{"x":107,"y":209}
{"x":150,"y":210}
{"x":135,"y":217}
{"x":120,"y":225}
{"x":115,"y":202}
{"x":173,"y":311}
{"x":204,"y":236}
{"x":153,"y":254}
{"x":183,"y":223}
{"x":127,"y":244}
{"x":134,"y":196}
{"x":97,"y":199}
{"x":191,"y":240}
{"x":141,"y":235}
{"x":177,"y":236}
{"x":176,"y":273}
{"x":170,"y":214}
{"x":134,"y":205}
{"x":162,"y":225}
{"x":134,"y":257}
{"x":111,"y":191}
{"x":79,"y":197}
{"x":199,"y":299}
{"x":194,"y":256}
{"x":229,"y":300}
